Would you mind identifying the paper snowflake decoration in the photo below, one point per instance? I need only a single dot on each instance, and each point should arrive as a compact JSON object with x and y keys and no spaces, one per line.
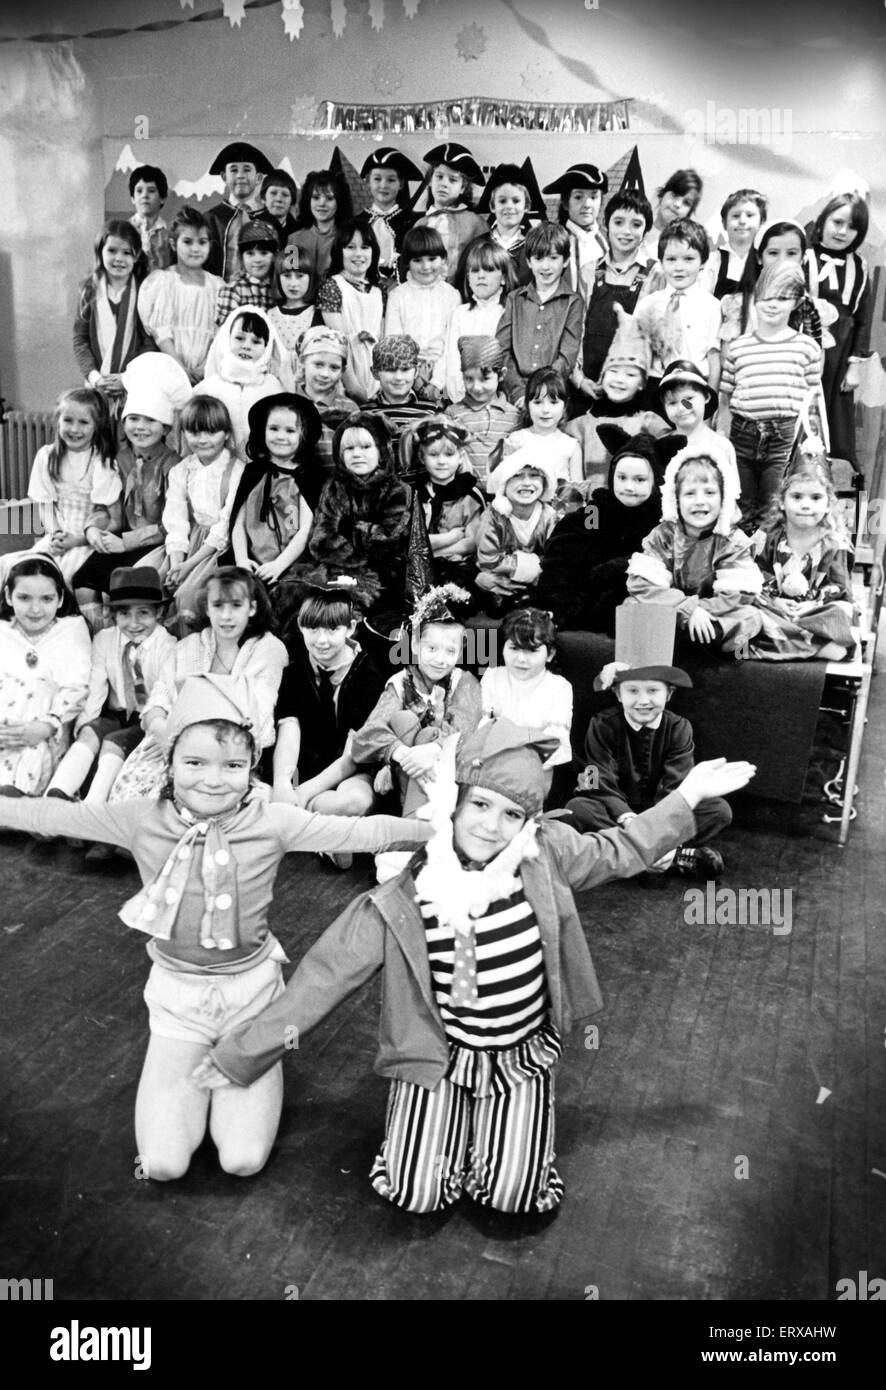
{"x":471,"y":42}
{"x":234,"y":11}
{"x":293,"y":18}
{"x":387,"y":78}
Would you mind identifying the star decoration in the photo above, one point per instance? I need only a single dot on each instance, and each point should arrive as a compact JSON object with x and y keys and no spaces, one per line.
{"x":234,"y":11}
{"x":293,"y":18}
{"x":387,"y":78}
{"x":339,"y":15}
{"x":471,"y":42}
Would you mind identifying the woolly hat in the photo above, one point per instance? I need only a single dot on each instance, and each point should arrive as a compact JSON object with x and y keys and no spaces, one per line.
{"x":395,"y":352}
{"x":658,"y":450}
{"x":644,"y":647}
{"x":505,"y":758}
{"x":510,"y":466}
{"x":578,"y":176}
{"x":258,"y":234}
{"x":321,"y":339}
{"x":458,"y":158}
{"x":202,"y":698}
{"x":629,"y":347}
{"x":240,"y":153}
{"x":523,"y":175}
{"x":475,"y":350}
{"x":682,"y":372}
{"x":141,"y":584}
{"x":308,"y":416}
{"x":389,"y":158}
{"x":156,"y":387}
{"x":710,"y":452}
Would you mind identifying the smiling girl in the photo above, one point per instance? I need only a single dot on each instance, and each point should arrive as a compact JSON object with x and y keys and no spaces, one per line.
{"x":108,"y":332}
{"x":351,"y":302}
{"x":178,"y":306}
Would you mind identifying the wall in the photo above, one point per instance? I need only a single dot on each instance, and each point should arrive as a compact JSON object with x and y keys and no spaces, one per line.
{"x":194,"y":86}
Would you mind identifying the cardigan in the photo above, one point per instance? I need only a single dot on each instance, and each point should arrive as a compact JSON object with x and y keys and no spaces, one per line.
{"x":383,"y":929}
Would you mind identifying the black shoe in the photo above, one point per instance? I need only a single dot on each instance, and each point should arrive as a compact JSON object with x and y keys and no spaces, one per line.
{"x":9,"y":790}
{"x":698,"y":861}
{"x":62,"y":796}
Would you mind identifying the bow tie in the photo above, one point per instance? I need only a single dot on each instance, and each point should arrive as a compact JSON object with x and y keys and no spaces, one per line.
{"x":828,"y":269}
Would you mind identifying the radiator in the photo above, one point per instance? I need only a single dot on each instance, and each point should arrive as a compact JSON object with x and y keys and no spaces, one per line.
{"x":22,"y":433}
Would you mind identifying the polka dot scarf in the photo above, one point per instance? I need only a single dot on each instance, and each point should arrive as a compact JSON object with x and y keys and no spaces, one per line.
{"x":155,"y":908}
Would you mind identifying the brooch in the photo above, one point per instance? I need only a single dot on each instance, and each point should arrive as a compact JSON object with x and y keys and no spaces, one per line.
{"x":31,"y":659}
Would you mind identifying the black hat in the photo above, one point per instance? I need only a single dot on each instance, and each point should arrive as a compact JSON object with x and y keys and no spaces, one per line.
{"x":458,"y":158}
{"x":644,"y":647}
{"x":659,"y":450}
{"x":240,"y":153}
{"x":307,"y":412}
{"x":523,"y":174}
{"x":684,"y":372}
{"x":389,"y":158}
{"x":257,"y":233}
{"x":139,"y":585}
{"x":578,"y":176}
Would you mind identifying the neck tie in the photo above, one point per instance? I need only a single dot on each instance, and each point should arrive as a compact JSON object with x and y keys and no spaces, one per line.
{"x":463,"y":990}
{"x":134,"y":689}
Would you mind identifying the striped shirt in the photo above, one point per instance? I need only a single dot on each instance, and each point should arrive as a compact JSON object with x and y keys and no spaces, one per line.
{"x":770,"y":379}
{"x":511,"y":983}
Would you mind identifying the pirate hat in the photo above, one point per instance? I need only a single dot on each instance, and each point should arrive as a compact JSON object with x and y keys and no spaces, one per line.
{"x":578,"y":176}
{"x":240,"y":153}
{"x":685,"y":373}
{"x":389,"y":158}
{"x":458,"y":158}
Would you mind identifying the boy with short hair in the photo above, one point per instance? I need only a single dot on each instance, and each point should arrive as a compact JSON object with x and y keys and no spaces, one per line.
{"x":149,"y":190}
{"x":258,"y":246}
{"x":485,"y":412}
{"x":683,"y":319}
{"x":541,"y":324}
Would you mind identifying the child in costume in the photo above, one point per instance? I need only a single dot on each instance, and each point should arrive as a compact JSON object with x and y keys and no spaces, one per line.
{"x":513,"y":201}
{"x":471,"y":1107}
{"x":328,"y":691}
{"x":199,"y":498}
{"x":485,"y":412}
{"x":178,"y":305}
{"x":44,"y":672}
{"x":322,"y":357}
{"x":148,"y":191}
{"x":806,"y":603}
{"x":242,"y":167}
{"x":395,"y":366}
{"x":127,"y":660}
{"x":270,"y":517}
{"x":242,"y":368}
{"x":544,"y":409}
{"x":445,"y":487}
{"x":279,"y":194}
{"x":640,"y":751}
{"x":294,"y":309}
{"x":514,"y":529}
{"x":108,"y":332}
{"x":453,"y":170}
{"x":254,"y":286}
{"x":837,"y":274}
{"x":324,"y":206}
{"x":618,"y":278}
{"x":71,"y":477}
{"x":423,"y":304}
{"x":541,"y":324}
{"x":487,"y":279}
{"x":621,"y":400}
{"x":234,"y":638}
{"x":425,"y":702}
{"x":585,"y":562}
{"x":388,"y":174}
{"x":768,"y":376}
{"x":688,"y":400}
{"x":581,"y":191}
{"x":696,"y":560}
{"x":779,"y":243}
{"x":524,"y":689}
{"x":351,"y":302}
{"x":208,"y":851}
{"x":742,"y":214}
{"x":683,"y":319}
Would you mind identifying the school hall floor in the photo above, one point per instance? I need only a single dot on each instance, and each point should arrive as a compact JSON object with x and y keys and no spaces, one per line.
{"x":722,"y":1050}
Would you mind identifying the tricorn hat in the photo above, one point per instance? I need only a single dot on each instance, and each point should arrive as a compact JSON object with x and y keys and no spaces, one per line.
{"x":644,"y":647}
{"x":579,"y":176}
{"x":457,"y":157}
{"x":522,"y":174}
{"x":389,"y":158}
{"x":240,"y":153}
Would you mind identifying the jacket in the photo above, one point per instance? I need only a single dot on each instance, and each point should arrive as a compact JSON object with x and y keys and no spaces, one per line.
{"x":383,"y":930}
{"x":624,"y":781}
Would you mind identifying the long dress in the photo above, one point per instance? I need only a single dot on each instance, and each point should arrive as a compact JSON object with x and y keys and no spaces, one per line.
{"x":171,"y":307}
{"x":361,"y":311}
{"x":85,"y":481}
{"x":806,"y":600}
{"x":841,"y":278}
{"x":45,"y":676}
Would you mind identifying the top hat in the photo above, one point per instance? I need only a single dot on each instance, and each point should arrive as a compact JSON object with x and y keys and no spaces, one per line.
{"x":644,"y":642}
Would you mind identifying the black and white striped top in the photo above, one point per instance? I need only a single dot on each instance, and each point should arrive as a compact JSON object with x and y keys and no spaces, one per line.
{"x":511,"y":983}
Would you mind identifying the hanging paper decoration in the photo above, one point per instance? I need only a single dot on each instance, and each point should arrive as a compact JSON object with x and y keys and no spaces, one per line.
{"x":471,"y":42}
{"x":561,"y":117}
{"x":377,"y":13}
{"x":126,"y":161}
{"x":234,"y":11}
{"x":339,"y":15}
{"x":207,"y":186}
{"x":293,"y":18}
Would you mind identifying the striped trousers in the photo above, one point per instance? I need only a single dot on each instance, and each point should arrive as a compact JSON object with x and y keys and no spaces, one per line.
{"x":497,"y":1148}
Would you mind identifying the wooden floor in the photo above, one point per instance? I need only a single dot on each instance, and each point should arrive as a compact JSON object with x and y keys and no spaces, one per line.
{"x":717,"y":1045}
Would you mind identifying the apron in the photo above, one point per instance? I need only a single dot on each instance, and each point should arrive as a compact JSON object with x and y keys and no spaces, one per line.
{"x":361,"y":313}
